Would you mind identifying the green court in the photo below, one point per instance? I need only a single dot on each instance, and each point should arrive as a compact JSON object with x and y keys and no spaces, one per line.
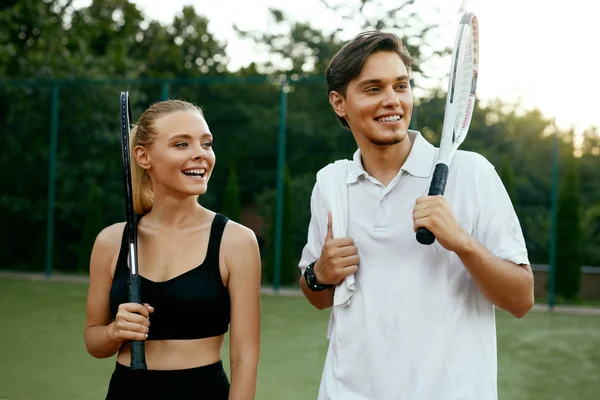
{"x":42,"y":354}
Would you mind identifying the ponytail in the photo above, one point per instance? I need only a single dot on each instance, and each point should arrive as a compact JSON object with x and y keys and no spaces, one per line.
{"x":143,"y":194}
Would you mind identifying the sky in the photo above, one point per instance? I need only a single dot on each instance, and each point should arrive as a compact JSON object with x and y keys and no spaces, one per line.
{"x":540,"y":53}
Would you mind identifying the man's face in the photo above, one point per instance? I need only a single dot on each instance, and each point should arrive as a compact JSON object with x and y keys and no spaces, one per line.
{"x":378,"y":103}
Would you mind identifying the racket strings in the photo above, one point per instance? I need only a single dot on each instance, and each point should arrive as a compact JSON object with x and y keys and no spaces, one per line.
{"x":464,"y":84}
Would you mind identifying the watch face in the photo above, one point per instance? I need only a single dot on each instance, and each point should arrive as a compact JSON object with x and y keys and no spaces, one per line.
{"x":312,"y":278}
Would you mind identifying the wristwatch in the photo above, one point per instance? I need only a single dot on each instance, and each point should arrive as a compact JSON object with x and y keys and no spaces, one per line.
{"x":311,"y":279}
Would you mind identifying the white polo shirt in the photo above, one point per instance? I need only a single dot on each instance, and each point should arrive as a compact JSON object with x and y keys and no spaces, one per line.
{"x":417,"y":328}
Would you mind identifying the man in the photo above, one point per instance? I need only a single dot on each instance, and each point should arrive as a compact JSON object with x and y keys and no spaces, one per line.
{"x":408,"y":321}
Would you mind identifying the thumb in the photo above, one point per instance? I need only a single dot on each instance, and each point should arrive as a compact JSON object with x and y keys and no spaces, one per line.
{"x":149,"y":307}
{"x":329,"y":235}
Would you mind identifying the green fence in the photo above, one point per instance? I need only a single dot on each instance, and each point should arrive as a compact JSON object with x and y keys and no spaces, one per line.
{"x":73,"y":133}
{"x":61,"y":172}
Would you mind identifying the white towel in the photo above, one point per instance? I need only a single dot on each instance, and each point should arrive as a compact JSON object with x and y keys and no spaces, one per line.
{"x":332,"y":184}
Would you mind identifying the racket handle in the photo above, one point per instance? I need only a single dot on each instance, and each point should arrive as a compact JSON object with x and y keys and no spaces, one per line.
{"x":437,"y":187}
{"x":138,"y":356}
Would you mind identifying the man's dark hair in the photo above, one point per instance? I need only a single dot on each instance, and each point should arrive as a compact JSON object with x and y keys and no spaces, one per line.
{"x":347,"y":63}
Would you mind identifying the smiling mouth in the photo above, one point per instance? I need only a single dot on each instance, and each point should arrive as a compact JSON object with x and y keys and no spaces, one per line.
{"x":391,"y":118}
{"x":196,"y":173}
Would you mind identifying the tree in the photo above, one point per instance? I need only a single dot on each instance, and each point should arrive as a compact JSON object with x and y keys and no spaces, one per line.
{"x":230,"y":202}
{"x":113,"y":39}
{"x":590,"y":195}
{"x":568,"y":251}
{"x":107,"y":39}
{"x":92,"y":225}
{"x":301,"y":49}
{"x":591,"y":235}
{"x":289,"y":252}
{"x":289,"y":255}
{"x":507,"y":175}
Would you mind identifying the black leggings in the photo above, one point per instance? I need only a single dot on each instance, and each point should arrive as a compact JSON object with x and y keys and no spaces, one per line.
{"x":208,"y":382}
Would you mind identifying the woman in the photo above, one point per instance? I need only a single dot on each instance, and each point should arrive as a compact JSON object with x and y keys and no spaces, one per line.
{"x":200,"y":273}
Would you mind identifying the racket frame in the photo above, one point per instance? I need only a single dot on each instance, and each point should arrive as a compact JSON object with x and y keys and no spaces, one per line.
{"x":455,"y":125}
{"x":138,"y":359}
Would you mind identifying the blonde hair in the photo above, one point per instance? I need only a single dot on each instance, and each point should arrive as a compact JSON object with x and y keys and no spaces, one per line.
{"x":144,"y":134}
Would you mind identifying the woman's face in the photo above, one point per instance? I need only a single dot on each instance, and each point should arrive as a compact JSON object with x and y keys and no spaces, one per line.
{"x":181,"y":158}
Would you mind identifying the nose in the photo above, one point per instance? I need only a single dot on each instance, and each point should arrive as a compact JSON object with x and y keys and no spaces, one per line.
{"x":199,"y":153}
{"x":391,"y":98}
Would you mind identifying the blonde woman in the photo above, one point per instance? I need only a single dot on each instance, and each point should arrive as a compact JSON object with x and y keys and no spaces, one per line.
{"x":200,"y":273}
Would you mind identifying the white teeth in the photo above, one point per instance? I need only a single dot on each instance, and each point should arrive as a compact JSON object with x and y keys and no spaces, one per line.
{"x":389,"y":119}
{"x":193,"y":172}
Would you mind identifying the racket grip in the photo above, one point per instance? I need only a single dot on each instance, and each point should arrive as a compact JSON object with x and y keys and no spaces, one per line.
{"x":438,"y":182}
{"x":437,"y":187}
{"x":138,"y":356}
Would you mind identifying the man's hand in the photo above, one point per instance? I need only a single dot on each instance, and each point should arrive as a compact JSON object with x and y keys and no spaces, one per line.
{"x":339,"y":258}
{"x":434,"y":213}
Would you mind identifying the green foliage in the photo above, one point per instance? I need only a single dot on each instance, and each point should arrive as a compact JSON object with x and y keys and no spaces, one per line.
{"x":590,"y":196}
{"x":591,"y":235}
{"x":307,"y":51}
{"x":568,"y":252}
{"x":507,"y":175}
{"x":106,"y":39}
{"x":113,"y":39}
{"x":230,"y":203}
{"x":92,"y":225}
{"x":290,"y":255}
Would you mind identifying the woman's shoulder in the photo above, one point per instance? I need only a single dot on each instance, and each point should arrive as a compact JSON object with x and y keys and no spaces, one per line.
{"x":240,"y":249}
{"x":111,"y":236}
{"x":106,"y":248}
{"x":236,"y":233}
{"x":238,"y":238}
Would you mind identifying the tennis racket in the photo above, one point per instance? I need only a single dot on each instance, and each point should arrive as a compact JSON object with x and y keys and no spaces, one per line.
{"x":138,"y":358}
{"x":460,"y":101}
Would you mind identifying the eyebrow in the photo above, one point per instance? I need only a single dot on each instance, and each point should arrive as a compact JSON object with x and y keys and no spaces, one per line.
{"x":367,"y":82}
{"x":187,"y":136}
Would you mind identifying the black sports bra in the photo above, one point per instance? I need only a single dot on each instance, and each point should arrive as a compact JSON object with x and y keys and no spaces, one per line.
{"x":192,"y":305}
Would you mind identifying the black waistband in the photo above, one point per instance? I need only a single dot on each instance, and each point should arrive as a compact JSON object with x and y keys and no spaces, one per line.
{"x":208,"y":382}
{"x":209,"y":370}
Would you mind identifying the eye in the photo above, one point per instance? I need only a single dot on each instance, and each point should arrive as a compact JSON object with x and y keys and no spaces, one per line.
{"x":181,"y":144}
{"x":372,"y":89}
{"x":402,"y":86}
{"x":208,"y":145}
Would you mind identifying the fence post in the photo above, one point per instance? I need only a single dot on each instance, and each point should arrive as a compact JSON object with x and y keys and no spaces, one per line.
{"x":553,"y":219}
{"x":52,"y":177}
{"x":280,"y":193}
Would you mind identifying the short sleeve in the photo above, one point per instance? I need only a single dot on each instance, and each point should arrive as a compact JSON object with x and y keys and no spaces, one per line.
{"x":497,"y":227}
{"x":317,"y":229}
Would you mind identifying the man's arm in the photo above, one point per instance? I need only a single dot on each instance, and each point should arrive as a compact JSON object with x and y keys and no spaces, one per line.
{"x":495,"y":255}
{"x":320,"y":300}
{"x":339,"y":258}
{"x":504,"y":284}
{"x":335,"y":258}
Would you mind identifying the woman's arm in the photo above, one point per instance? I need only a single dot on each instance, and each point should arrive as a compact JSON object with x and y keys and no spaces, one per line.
{"x":242,"y":259}
{"x":97,"y":334}
{"x":103,"y":337}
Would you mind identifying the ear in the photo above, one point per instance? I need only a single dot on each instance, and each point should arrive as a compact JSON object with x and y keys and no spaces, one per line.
{"x":338,"y":102}
{"x":142,"y":157}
